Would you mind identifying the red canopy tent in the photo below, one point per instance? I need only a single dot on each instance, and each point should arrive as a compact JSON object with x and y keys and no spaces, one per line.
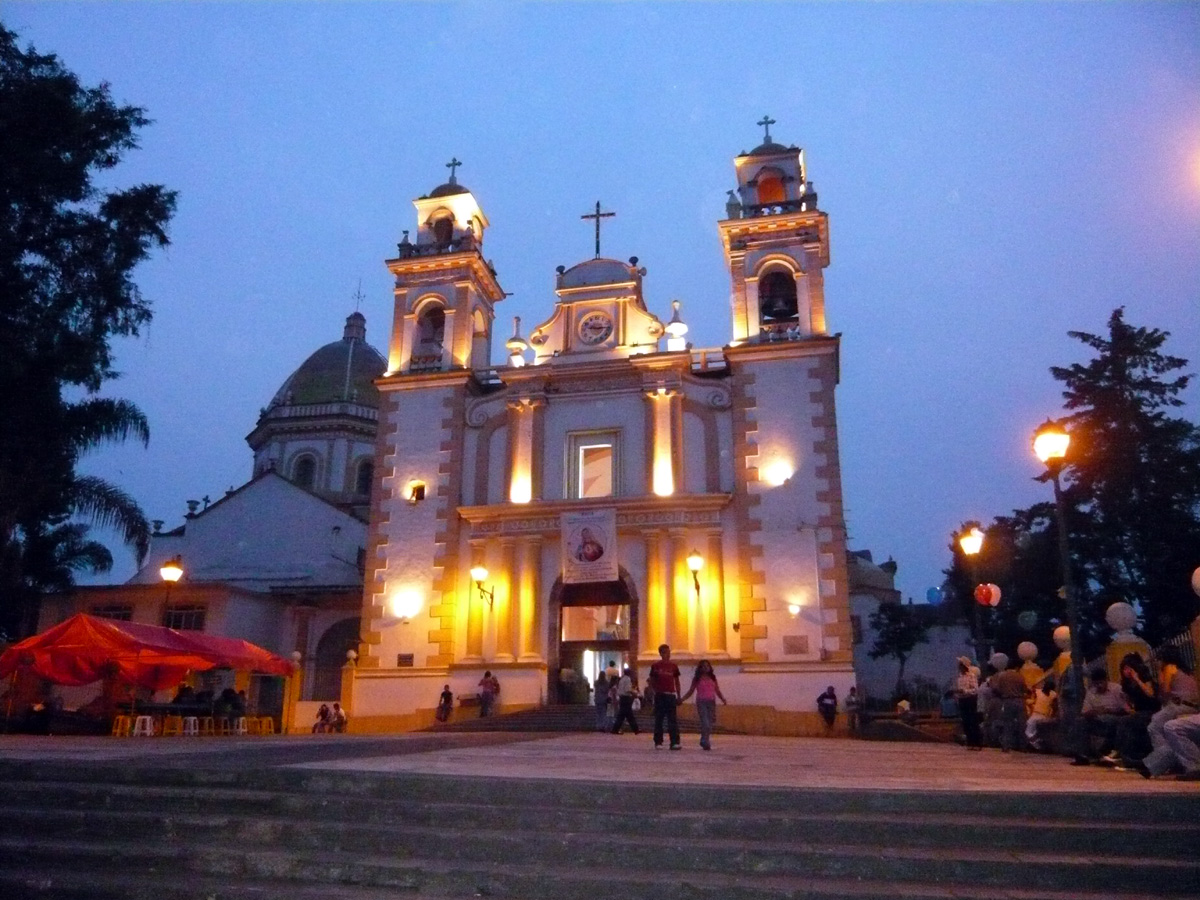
{"x":84,"y":649}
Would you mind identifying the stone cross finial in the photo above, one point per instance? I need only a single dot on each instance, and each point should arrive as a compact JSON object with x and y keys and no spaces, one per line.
{"x":597,"y":215}
{"x":766,"y":122}
{"x":454,"y":163}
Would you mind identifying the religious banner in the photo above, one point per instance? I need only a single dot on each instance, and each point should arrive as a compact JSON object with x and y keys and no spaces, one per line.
{"x":589,"y":546}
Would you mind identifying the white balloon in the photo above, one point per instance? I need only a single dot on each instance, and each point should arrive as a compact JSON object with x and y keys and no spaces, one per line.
{"x":1027,"y":650}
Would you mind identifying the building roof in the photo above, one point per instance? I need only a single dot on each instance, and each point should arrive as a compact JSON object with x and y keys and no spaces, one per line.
{"x":448,"y":189}
{"x":341,"y":370}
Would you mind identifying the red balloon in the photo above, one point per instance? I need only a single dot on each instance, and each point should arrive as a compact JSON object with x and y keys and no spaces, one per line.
{"x":983,"y":594}
{"x":994,"y":600}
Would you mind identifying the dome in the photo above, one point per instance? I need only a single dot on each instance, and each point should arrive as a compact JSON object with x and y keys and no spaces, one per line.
{"x":596,"y":271}
{"x":342,"y":370}
{"x":448,"y":189}
{"x":770,"y":148}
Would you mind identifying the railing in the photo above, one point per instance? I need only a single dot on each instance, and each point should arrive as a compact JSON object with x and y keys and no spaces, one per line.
{"x":781,"y":331}
{"x":284,"y":411}
{"x":711,"y":359}
{"x":427,"y":362}
{"x":807,"y":203}
{"x":407,"y":250}
{"x":1184,"y":643}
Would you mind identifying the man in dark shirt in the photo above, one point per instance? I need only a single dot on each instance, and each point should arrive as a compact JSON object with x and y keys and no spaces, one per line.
{"x":664,"y":678}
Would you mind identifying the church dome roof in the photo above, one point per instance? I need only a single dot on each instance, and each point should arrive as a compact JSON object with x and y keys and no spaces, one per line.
{"x":595,"y":272}
{"x":448,"y":189}
{"x":770,"y":148}
{"x":341,"y":370}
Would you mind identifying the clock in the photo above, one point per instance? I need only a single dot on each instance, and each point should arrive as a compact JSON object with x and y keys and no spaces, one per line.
{"x":595,"y":327}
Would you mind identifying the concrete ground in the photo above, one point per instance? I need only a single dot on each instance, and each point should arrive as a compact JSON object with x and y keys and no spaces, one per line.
{"x":735,"y":760}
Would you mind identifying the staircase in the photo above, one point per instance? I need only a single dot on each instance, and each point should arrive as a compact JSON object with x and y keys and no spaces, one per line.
{"x":115,"y":833}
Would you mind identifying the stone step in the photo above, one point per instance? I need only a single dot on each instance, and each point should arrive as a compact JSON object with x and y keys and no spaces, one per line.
{"x":143,"y":815}
{"x":694,"y":867}
{"x":153,"y":885}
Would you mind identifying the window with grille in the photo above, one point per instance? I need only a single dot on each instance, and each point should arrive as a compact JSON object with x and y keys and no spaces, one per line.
{"x":122,"y":612}
{"x":184,"y":617}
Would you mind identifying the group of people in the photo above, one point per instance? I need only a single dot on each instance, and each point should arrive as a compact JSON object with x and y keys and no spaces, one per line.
{"x":330,"y":721}
{"x":1141,"y":723}
{"x":617,"y":699}
{"x":489,"y":692}
{"x":827,"y":707}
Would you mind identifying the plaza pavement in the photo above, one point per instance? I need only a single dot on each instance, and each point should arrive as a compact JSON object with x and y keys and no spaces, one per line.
{"x":736,"y":760}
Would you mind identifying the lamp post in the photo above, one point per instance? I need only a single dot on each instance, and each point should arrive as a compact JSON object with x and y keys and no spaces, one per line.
{"x":170,"y":572}
{"x":971,"y":542}
{"x":1050,"y":443}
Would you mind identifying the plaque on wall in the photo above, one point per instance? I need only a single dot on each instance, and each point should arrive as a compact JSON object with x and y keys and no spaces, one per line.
{"x":589,"y":546}
{"x":404,"y":660}
{"x":795,"y":644}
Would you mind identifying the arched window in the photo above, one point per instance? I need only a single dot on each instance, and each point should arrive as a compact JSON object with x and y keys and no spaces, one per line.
{"x":330,"y":656}
{"x":431,"y":330}
{"x":770,"y":187}
{"x":364,"y":477}
{"x":777,"y":297}
{"x":304,"y":471}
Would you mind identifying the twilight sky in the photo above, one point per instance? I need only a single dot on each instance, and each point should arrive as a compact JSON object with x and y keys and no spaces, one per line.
{"x":995,"y":175}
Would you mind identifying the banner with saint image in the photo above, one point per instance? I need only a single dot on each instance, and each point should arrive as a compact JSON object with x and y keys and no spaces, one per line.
{"x":589,"y":546}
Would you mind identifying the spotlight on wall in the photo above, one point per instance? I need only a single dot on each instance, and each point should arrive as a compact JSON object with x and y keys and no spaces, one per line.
{"x":414,"y":492}
{"x":793,"y":609}
{"x":778,"y":472}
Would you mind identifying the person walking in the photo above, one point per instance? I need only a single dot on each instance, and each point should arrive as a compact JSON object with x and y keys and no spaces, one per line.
{"x":600,"y":700}
{"x":625,"y":696}
{"x":489,"y":689}
{"x":664,"y":679}
{"x":853,"y":707}
{"x":827,"y":706}
{"x":707,"y":691}
{"x":966,"y":690}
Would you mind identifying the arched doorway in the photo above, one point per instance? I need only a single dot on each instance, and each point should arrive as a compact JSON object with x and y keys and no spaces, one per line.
{"x":326,"y":680}
{"x":590,"y":625}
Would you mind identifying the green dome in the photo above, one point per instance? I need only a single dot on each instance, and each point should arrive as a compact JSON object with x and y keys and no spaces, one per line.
{"x":342,"y":370}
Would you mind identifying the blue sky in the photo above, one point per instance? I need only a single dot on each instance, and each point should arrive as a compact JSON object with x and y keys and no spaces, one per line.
{"x":995,"y":175}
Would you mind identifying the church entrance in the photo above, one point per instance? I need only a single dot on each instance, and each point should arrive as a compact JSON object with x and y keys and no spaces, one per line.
{"x":593,"y":625}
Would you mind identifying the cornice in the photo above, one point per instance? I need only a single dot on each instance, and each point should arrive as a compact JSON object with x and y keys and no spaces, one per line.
{"x":814,"y":345}
{"x":542,"y":516}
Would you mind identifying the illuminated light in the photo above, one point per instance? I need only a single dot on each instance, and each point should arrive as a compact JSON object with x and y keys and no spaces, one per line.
{"x":676,"y":329}
{"x":414,"y":491}
{"x":407,"y":602}
{"x":521,"y":490}
{"x":1050,"y":442}
{"x":172,"y":569}
{"x":778,"y":472}
{"x":971,"y":541}
{"x":695,"y":562}
{"x":663,"y":472}
{"x":479,"y":574}
{"x":793,"y":609}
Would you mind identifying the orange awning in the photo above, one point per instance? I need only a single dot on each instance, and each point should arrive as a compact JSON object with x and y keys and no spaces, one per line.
{"x":84,"y":649}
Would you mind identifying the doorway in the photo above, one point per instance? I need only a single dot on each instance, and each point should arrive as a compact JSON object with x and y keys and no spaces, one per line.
{"x":593,"y":624}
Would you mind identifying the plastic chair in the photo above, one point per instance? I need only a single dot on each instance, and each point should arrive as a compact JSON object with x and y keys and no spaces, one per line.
{"x":191,"y":726}
{"x":253,"y":725}
{"x":172,"y":726}
{"x":239,"y":725}
{"x":266,"y":725}
{"x":122,"y":726}
{"x":143,"y":726}
{"x":208,"y":726}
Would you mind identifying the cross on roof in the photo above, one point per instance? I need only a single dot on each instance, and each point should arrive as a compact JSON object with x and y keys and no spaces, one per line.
{"x":452,"y":165}
{"x":597,"y":215}
{"x":766,"y":122}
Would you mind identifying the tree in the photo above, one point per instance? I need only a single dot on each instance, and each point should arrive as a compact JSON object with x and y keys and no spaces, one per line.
{"x":1132,"y":476}
{"x":898,"y":630}
{"x":1131,"y":488}
{"x":67,"y":255}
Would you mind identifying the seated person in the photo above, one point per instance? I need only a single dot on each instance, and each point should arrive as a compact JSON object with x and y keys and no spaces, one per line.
{"x":1103,"y":707}
{"x":1045,"y":699}
{"x":1140,"y":689}
{"x":445,"y":704}
{"x":338,"y":718}
{"x":324,"y":720}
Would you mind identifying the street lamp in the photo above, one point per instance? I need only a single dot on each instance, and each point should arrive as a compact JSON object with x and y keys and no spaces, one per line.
{"x":695,"y":562}
{"x":1050,"y":443}
{"x":971,"y":542}
{"x":480,"y":574}
{"x":172,"y":569}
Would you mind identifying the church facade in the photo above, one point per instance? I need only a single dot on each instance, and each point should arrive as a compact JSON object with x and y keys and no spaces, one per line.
{"x":611,"y":488}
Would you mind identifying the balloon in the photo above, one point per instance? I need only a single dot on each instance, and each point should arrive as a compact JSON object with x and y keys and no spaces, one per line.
{"x":1062,"y":637}
{"x":983,"y":594}
{"x":933,"y":595}
{"x":1196,"y":581}
{"x":1027,"y":650}
{"x":1028,"y":619}
{"x":994,"y":599}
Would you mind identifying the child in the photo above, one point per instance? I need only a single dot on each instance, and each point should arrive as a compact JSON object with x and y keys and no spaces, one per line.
{"x":1043,"y":711}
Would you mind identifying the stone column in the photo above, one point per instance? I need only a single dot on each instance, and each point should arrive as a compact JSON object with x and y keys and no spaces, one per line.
{"x":474,"y":605}
{"x":505,"y":607}
{"x":663,"y":476}
{"x":521,"y":449}
{"x":679,"y":584}
{"x":652,"y":617}
{"x":714,"y":595}
{"x":529,"y":601}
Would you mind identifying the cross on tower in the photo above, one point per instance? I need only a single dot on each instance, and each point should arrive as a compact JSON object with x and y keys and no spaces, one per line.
{"x":452,"y":165}
{"x":766,"y":122}
{"x":597,"y":215}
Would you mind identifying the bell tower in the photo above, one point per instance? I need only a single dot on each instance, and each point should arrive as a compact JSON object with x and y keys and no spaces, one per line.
{"x":445,"y":291}
{"x":776,"y":245}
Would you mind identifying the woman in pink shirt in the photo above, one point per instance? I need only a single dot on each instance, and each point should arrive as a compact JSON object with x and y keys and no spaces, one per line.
{"x":704,"y":685}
